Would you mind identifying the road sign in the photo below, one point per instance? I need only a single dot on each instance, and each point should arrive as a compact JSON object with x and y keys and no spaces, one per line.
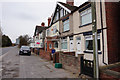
{"x":53,"y":51}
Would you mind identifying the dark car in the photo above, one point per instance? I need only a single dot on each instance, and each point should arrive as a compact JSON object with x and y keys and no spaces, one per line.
{"x":25,"y":50}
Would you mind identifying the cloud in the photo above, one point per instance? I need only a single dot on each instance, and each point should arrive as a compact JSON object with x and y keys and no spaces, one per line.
{"x":19,"y":18}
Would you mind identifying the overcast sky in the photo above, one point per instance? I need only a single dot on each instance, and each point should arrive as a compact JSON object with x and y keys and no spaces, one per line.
{"x":19,"y":17}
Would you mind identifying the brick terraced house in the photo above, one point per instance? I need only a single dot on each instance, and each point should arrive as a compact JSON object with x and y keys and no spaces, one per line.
{"x":108,"y":23}
{"x":70,"y":30}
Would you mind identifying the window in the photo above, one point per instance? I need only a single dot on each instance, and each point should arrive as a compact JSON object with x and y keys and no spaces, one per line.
{"x":71,"y":37}
{"x":86,"y":16}
{"x":48,"y":32}
{"x":55,"y":44}
{"x":50,"y":46}
{"x":41,"y":44}
{"x":41,"y":35}
{"x":56,"y":16}
{"x":61,"y":13}
{"x":78,"y":38}
{"x":89,"y":42}
{"x":45,"y":46}
{"x":65,"y":12}
{"x":54,"y":30}
{"x":66,"y":25}
{"x":64,"y":43}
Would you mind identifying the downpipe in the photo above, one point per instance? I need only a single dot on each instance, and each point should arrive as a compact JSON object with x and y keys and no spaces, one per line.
{"x":102,"y":32}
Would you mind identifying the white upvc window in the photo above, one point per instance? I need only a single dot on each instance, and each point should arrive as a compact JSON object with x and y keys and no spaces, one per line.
{"x":48,"y":32}
{"x":89,"y":43}
{"x":45,"y":46}
{"x":57,"y":16}
{"x":41,"y":35}
{"x":61,"y":13}
{"x":54,"y":29}
{"x":86,"y":16}
{"x":55,"y":44}
{"x":66,"y":25}
{"x":64,"y":43}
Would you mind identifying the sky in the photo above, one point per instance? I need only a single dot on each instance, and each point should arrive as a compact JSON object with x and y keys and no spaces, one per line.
{"x":19,"y":17}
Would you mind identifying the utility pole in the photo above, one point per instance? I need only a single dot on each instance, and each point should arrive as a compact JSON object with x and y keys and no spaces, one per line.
{"x":95,"y":45}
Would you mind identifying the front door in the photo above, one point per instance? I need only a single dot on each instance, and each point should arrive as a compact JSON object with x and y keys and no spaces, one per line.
{"x":78,"y":46}
{"x":71,"y":46}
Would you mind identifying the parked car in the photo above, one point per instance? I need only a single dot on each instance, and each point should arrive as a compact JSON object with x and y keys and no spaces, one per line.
{"x":25,"y":50}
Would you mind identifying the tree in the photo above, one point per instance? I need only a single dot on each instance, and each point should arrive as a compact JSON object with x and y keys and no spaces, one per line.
{"x":24,"y":40}
{"x":0,"y":37}
{"x":6,"y":41}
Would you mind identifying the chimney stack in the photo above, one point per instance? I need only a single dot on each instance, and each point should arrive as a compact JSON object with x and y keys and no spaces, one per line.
{"x":49,"y":20}
{"x":42,"y":24}
{"x":70,"y":2}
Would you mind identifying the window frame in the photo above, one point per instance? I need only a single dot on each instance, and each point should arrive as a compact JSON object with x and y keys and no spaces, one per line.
{"x":64,"y":41}
{"x":81,"y":15}
{"x":48,"y":32}
{"x":91,"y":38}
{"x":54,"y":44}
{"x":54,"y":29}
{"x":61,"y":13}
{"x":64,"y":25}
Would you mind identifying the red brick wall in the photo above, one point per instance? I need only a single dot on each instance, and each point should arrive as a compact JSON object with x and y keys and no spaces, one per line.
{"x":45,"y":55}
{"x":116,"y":69}
{"x":104,"y":76}
{"x":69,"y":53}
{"x":113,"y":31}
{"x":70,"y":63}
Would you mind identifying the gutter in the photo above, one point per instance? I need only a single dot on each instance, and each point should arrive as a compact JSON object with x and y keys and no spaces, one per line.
{"x":102,"y":32}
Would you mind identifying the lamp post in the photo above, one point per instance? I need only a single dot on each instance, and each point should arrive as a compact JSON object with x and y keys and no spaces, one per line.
{"x":95,"y":46}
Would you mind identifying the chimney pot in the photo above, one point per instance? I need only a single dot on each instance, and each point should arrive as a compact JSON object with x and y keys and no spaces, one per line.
{"x":49,"y":20}
{"x":70,"y":2}
{"x":42,"y":24}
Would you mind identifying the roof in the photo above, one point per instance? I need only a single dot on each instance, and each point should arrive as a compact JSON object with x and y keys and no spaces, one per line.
{"x":82,"y":5}
{"x":40,"y":29}
{"x":68,"y":6}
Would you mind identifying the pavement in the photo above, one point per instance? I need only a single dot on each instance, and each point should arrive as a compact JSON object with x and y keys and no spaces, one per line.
{"x":23,"y":66}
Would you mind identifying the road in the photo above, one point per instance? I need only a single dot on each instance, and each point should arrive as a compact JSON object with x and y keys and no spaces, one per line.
{"x":23,"y":66}
{"x":5,"y":50}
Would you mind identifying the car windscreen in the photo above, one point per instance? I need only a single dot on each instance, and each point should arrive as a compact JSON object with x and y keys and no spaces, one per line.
{"x":25,"y":47}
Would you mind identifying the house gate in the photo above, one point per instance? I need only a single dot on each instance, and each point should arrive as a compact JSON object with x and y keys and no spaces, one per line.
{"x":87,"y":67}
